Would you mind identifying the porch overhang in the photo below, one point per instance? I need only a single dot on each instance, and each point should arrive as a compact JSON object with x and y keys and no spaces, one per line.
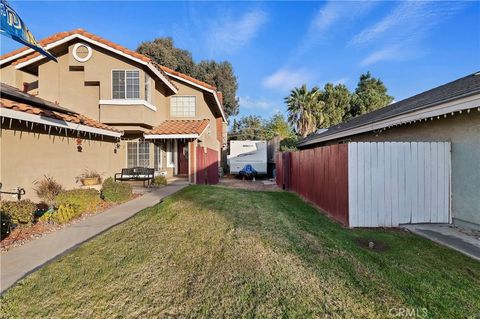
{"x":178,"y":129}
{"x":170,"y":136}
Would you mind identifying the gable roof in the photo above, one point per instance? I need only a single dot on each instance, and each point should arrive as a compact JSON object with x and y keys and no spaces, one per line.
{"x":25,"y":55}
{"x":421,"y":106}
{"x":187,"y":77}
{"x":192,"y":128}
{"x":217,"y":96}
{"x":36,"y":110}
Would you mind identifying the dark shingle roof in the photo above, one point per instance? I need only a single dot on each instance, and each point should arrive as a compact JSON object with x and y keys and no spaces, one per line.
{"x":462,"y":87}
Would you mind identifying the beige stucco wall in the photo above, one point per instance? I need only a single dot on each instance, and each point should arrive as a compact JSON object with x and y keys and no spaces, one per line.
{"x":59,"y":82}
{"x":463,"y":131}
{"x":79,"y":86}
{"x":16,"y":78}
{"x":209,"y":138}
{"x":26,"y":156}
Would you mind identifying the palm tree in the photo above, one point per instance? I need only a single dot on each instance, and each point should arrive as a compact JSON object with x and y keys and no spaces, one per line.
{"x":304,"y":109}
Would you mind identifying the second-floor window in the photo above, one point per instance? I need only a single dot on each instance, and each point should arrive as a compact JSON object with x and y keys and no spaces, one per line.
{"x":125,"y":84}
{"x":182,"y":106}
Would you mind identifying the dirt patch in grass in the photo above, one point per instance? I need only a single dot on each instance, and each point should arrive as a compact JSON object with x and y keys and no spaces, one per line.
{"x":260,"y":184}
{"x":372,"y":244}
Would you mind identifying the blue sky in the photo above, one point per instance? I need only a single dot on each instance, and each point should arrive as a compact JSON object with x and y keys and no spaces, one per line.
{"x":274,"y":46}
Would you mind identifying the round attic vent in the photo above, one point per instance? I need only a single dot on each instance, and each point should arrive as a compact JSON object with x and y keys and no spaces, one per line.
{"x":82,"y":52}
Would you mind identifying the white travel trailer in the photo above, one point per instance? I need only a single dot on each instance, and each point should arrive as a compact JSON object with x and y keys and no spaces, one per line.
{"x":243,"y":153}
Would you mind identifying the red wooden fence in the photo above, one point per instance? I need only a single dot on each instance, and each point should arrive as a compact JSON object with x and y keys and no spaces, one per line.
{"x":211,"y":159}
{"x":319,"y":175}
{"x":207,"y":166}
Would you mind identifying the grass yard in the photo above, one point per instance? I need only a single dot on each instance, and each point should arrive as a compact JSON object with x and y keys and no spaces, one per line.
{"x":217,"y":252}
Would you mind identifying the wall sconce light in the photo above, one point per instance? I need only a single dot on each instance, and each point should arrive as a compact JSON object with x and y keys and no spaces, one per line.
{"x":117,"y":146}
{"x":79,"y":145}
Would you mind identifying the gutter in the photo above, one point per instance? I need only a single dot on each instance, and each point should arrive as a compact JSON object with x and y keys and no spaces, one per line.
{"x":410,"y":116}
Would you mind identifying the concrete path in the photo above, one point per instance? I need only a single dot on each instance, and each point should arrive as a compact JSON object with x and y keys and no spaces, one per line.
{"x":22,"y":260}
{"x":462,"y":240}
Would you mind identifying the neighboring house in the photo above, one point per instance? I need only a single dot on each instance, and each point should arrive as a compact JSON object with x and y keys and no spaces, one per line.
{"x":450,"y":112}
{"x":163,"y":119}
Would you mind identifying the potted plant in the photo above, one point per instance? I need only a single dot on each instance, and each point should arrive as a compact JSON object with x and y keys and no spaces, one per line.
{"x":89,"y":178}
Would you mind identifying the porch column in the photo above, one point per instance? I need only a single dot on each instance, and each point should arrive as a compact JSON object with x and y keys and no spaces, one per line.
{"x":192,"y":162}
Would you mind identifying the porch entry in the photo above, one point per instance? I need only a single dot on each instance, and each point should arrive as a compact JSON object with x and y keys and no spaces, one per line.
{"x":167,"y":154}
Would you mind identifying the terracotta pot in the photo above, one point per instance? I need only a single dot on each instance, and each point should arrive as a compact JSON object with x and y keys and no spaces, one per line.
{"x":90,"y":181}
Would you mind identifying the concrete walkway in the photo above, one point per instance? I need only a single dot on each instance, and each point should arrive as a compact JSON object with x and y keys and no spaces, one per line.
{"x":22,"y":260}
{"x":462,"y":240}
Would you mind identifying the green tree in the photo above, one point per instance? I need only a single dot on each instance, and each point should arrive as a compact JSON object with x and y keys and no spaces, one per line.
{"x":251,"y":127}
{"x":223,"y":77}
{"x":337,"y":103}
{"x":370,"y":95}
{"x":164,"y":52}
{"x":304,"y":109}
{"x":278,"y":126}
{"x":219,"y":74}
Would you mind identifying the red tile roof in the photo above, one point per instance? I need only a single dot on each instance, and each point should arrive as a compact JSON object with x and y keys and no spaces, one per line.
{"x":170,"y":127}
{"x":187,"y":77}
{"x":62,"y":35}
{"x":72,"y":118}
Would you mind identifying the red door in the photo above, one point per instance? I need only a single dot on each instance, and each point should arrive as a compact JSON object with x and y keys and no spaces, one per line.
{"x":182,"y":158}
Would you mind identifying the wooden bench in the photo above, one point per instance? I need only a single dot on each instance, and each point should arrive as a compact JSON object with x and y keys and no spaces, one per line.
{"x":136,"y":174}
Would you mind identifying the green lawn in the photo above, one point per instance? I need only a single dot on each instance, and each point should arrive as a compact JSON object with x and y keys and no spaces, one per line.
{"x":215,"y":252}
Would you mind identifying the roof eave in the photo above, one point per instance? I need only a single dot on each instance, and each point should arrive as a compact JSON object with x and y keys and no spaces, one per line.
{"x":465,"y":102}
{"x":219,"y":105}
{"x":94,"y":42}
{"x":19,"y":115}
{"x":170,"y":136}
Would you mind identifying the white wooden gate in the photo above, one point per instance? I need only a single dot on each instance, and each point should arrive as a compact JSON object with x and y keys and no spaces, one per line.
{"x":398,"y":183}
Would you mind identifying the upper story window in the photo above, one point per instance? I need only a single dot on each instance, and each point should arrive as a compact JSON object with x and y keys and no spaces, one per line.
{"x":125,"y":84}
{"x":148,"y":88}
{"x":182,"y":106}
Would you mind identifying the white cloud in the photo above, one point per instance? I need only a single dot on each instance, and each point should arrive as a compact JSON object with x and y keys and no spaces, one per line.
{"x":339,"y":11}
{"x":286,"y":79}
{"x":387,"y":53}
{"x":329,"y":15}
{"x":399,"y":35}
{"x":246,"y":102}
{"x":408,"y":18}
{"x":229,"y":33}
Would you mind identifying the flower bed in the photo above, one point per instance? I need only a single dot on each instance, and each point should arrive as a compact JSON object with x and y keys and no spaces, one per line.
{"x":31,"y":221}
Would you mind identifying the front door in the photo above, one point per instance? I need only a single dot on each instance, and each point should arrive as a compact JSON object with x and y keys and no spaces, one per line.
{"x":182,"y":158}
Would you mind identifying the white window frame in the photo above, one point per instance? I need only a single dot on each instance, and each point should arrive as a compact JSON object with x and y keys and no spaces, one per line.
{"x":159,"y":161}
{"x":178,"y":96}
{"x":148,"y":88}
{"x":171,"y":152}
{"x":125,"y":98}
{"x":138,"y":153}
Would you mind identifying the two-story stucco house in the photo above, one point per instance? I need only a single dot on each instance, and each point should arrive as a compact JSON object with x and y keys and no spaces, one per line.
{"x":151,"y":116}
